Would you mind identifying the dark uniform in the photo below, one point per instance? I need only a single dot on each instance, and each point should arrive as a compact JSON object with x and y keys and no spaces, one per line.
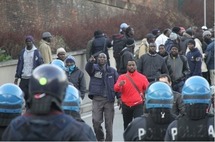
{"x":152,"y":126}
{"x":53,"y":127}
{"x":147,"y":128}
{"x":45,"y":119}
{"x":196,"y":125}
{"x":189,"y":130}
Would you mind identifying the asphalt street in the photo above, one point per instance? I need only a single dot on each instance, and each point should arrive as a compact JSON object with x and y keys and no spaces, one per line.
{"x":117,"y":125}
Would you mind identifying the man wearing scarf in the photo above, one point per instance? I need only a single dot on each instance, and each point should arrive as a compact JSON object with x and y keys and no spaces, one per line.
{"x":75,"y":75}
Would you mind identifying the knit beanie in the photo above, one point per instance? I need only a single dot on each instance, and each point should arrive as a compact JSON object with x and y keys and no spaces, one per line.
{"x":60,"y":50}
{"x":190,"y":32}
{"x":70,"y":58}
{"x":173,"y":36}
{"x":192,"y":42}
{"x":29,"y":37}
{"x":150,"y":35}
{"x":206,"y":33}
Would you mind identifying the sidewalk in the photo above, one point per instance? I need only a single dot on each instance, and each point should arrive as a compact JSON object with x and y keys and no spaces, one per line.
{"x":86,"y":105}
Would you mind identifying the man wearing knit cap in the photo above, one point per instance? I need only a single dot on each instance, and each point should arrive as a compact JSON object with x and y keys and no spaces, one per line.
{"x":178,"y":68}
{"x":75,"y":75}
{"x":144,"y":47}
{"x":206,"y":39}
{"x":126,"y":55}
{"x":45,"y":48}
{"x":29,"y":59}
{"x":61,"y":54}
{"x":194,"y":59}
{"x":173,"y":39}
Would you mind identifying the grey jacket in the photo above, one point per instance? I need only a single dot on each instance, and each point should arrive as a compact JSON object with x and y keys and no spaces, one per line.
{"x":178,"y":67}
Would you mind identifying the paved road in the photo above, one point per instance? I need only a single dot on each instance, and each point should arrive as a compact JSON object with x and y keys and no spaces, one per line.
{"x":118,"y":124}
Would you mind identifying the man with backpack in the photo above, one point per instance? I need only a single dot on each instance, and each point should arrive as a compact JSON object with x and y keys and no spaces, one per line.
{"x":178,"y":68}
{"x":119,"y":42}
{"x":100,"y":44}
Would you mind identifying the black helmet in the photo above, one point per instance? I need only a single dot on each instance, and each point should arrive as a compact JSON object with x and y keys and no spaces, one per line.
{"x":47,"y":87}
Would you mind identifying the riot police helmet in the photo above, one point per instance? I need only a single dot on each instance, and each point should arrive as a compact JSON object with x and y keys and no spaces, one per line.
{"x":159,"y":95}
{"x":11,"y":103}
{"x":196,"y":89}
{"x":47,"y":87}
{"x":71,"y":101}
{"x":58,"y":63}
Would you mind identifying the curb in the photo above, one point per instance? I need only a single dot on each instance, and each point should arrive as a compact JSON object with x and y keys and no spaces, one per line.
{"x":87,"y":107}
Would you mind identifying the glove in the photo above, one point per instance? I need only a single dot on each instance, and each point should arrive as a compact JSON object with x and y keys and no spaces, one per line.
{"x":119,"y":103}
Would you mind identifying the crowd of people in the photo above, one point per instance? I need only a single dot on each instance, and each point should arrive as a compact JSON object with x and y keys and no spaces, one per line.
{"x":163,"y":88}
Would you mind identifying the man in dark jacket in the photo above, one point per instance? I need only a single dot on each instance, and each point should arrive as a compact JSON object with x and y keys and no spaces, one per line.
{"x":197,"y":124}
{"x":178,"y":68}
{"x":28,"y":60}
{"x":178,"y":108}
{"x":126,"y":55}
{"x":75,"y":75}
{"x":100,"y":45}
{"x":194,"y":58}
{"x":101,"y":91}
{"x":151,"y":64}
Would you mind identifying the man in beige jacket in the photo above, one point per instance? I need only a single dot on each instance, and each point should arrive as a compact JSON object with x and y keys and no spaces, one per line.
{"x":45,"y":48}
{"x":144,"y":47}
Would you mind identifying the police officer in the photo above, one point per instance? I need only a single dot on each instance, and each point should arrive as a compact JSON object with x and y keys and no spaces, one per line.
{"x":196,"y":124}
{"x":45,"y":119}
{"x":152,"y":126}
{"x":11,"y":104}
{"x":71,"y":103}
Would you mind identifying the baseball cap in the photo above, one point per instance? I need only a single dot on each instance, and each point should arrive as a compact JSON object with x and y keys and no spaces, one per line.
{"x":46,"y":34}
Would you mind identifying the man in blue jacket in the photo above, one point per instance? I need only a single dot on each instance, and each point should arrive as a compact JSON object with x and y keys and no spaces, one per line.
{"x":29,"y":58}
{"x":101,"y":91}
{"x":194,"y":58}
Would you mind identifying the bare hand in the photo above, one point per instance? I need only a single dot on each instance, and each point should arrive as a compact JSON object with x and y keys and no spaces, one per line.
{"x":122,"y":82}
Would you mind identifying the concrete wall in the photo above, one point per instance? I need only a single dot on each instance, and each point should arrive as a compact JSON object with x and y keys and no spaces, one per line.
{"x":8,"y":68}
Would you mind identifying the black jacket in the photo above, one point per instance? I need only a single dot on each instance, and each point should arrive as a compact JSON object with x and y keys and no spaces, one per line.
{"x":152,"y":66}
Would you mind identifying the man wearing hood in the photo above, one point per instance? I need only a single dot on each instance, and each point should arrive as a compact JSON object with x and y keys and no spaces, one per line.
{"x":29,"y":58}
